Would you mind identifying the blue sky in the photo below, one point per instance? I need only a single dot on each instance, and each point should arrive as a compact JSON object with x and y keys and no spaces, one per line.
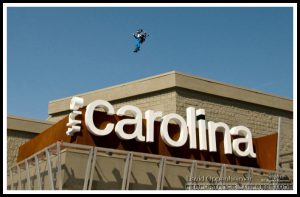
{"x":56,"y":52}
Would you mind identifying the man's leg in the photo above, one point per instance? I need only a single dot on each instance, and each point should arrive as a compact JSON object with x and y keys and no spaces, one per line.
{"x":137,"y":46}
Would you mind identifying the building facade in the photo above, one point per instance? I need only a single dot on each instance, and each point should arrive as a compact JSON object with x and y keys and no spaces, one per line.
{"x":173,"y":92}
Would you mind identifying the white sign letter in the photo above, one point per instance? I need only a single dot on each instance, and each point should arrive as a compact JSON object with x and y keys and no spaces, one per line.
{"x":150,"y":118}
{"x":191,"y":124}
{"x":222,"y":127}
{"x":73,"y":124}
{"x":165,"y":133}
{"x":137,"y":121}
{"x":200,"y":114}
{"x":89,"y":117}
{"x":244,"y":131}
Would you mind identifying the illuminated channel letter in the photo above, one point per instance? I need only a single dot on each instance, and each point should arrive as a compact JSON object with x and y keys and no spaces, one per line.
{"x":243,"y":131}
{"x":164,"y":133}
{"x":137,"y":122}
{"x":73,"y":124}
{"x":89,"y":117}
{"x":222,"y":127}
{"x":150,"y":118}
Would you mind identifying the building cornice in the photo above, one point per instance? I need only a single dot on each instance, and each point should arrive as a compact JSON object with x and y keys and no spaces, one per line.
{"x":27,"y":125}
{"x":176,"y":79}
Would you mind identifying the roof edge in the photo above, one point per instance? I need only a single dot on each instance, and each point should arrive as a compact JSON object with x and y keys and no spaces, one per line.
{"x":176,"y":79}
{"x":18,"y":123}
{"x":118,"y":86}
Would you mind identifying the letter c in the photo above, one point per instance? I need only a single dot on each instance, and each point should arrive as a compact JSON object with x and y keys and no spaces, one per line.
{"x":89,"y":117}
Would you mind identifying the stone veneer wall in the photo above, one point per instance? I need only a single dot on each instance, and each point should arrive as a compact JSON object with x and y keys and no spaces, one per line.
{"x":164,"y":100}
{"x":14,"y":140}
{"x":286,"y":142}
{"x":259,"y":119}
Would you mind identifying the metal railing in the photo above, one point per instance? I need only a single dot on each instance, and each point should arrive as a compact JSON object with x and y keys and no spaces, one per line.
{"x":53,"y":152}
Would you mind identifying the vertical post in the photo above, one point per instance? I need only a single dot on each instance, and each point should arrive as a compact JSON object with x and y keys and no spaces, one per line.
{"x":129,"y":170}
{"x":11,"y":179}
{"x":92,"y":169}
{"x":222,"y":174}
{"x":36,"y":160}
{"x":58,"y":176}
{"x":49,"y":169}
{"x":87,"y":170}
{"x":193,"y":169}
{"x":161,"y":174}
{"x":28,"y":175}
{"x":250,"y":176}
{"x":276,"y":182}
{"x":192,"y":174}
{"x":126,"y":169}
{"x":19,"y":177}
{"x":278,"y":144}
